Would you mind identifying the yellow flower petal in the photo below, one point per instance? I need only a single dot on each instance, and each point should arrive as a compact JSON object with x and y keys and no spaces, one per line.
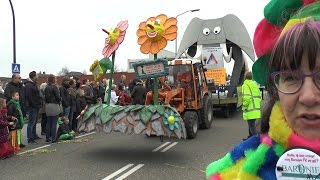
{"x":145,"y":47}
{"x":171,"y":36}
{"x":171,"y":29}
{"x":142,"y":39}
{"x":171,"y":21}
{"x":162,"y":43}
{"x":154,"y":48}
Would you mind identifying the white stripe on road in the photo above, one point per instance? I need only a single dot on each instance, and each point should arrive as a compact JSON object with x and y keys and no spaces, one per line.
{"x":33,"y":149}
{"x":157,"y":149}
{"x":117,"y":172}
{"x":130,"y":172}
{"x":169,"y":147}
{"x":83,"y":135}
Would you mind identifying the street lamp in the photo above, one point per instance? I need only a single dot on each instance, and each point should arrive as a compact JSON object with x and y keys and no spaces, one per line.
{"x":176,"y":41}
{"x":14,"y":33}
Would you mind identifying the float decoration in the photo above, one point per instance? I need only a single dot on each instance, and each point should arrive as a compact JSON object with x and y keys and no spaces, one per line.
{"x":133,"y":119}
{"x":154,"y":33}
{"x":98,"y":68}
{"x":114,"y":39}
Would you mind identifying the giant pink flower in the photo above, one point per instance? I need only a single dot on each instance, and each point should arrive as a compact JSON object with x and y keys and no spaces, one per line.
{"x":115,"y":38}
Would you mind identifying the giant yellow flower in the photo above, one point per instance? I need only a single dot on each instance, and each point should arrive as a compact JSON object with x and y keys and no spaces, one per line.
{"x":154,"y":33}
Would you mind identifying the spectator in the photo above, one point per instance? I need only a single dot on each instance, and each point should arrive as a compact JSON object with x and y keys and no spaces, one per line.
{"x":6,"y":149}
{"x":1,"y":89}
{"x":81,"y":105}
{"x":123,"y":81}
{"x":65,"y":96}
{"x":64,"y":130}
{"x":52,"y":98}
{"x":42,"y":109}
{"x":73,"y":92}
{"x":114,"y":98}
{"x":88,"y":90}
{"x":14,"y":109}
{"x":124,"y":99}
{"x":33,"y":104}
{"x":138,"y":94}
{"x":132,"y":84}
{"x":16,"y":85}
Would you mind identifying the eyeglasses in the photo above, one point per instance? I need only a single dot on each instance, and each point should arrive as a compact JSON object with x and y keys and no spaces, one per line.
{"x":291,"y":82}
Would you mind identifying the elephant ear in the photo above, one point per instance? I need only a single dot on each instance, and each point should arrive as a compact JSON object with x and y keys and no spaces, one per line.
{"x":192,"y":51}
{"x":190,"y":37}
{"x":237,"y":33}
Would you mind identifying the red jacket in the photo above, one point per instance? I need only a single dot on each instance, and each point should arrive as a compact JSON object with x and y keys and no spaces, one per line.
{"x":124,"y":99}
{"x":4,"y":123}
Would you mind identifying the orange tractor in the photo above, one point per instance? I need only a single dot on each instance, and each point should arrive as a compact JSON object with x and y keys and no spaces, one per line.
{"x":185,"y":88}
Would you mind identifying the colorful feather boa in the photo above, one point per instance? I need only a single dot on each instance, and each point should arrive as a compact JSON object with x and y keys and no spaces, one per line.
{"x":256,"y":157}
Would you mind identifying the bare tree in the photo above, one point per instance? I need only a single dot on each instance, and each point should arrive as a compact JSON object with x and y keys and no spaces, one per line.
{"x":63,"y":71}
{"x":117,"y":68}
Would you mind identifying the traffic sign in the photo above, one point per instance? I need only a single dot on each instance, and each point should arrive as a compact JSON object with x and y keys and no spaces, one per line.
{"x":15,"y":68}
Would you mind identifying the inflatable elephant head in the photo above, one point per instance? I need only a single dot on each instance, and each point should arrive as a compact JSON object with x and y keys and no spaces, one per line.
{"x":227,"y":32}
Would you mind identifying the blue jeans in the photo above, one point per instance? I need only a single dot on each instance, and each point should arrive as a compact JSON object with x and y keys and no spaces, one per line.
{"x":51,"y":128}
{"x":31,"y":129}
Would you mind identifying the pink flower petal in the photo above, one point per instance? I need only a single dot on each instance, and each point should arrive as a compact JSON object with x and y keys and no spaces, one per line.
{"x":120,"y":39}
{"x":123,"y":25}
{"x":105,"y":49}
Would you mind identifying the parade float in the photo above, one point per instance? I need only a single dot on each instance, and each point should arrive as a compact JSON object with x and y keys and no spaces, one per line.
{"x":157,"y":119}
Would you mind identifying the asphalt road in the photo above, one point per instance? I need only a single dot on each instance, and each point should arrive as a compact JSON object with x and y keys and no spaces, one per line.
{"x":116,"y":156}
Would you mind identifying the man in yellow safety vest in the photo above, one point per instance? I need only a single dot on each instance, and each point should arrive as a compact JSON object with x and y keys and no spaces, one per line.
{"x":251,"y":105}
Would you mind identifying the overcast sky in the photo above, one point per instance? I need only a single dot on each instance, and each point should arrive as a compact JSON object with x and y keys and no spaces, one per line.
{"x":51,"y":34}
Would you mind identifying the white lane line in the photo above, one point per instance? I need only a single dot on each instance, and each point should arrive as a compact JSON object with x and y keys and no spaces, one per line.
{"x":130,"y":172}
{"x":161,"y":146}
{"x":83,"y":135}
{"x":169,"y":147}
{"x":118,"y":172}
{"x":33,"y":149}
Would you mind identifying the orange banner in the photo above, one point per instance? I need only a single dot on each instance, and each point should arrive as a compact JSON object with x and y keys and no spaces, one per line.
{"x":218,"y":75}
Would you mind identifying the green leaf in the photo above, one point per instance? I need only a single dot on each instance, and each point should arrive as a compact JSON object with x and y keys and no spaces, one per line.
{"x":97,"y":112}
{"x":145,"y":115}
{"x":152,"y":108}
{"x":105,"y":64}
{"x":105,"y":114}
{"x":90,"y":112}
{"x":160,"y":109}
{"x":137,"y":107}
{"x":117,"y":109}
{"x":128,"y":108}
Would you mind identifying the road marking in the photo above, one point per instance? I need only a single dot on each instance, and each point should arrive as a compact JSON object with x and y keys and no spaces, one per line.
{"x":118,"y":172}
{"x":161,"y":146}
{"x":130,"y":172}
{"x":83,"y":135}
{"x":169,"y":147}
{"x":33,"y":149}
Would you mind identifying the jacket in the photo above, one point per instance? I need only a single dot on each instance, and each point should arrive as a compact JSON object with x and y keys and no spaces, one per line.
{"x":251,"y":96}
{"x":65,"y":96}
{"x":13,"y":111}
{"x":11,"y":86}
{"x":4,"y":124}
{"x":138,"y":95}
{"x":63,"y":129}
{"x":81,"y":104}
{"x":33,"y":98}
{"x":52,"y":94}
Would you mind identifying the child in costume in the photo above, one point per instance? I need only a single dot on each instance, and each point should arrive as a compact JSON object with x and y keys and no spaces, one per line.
{"x":14,"y":109}
{"x":289,"y":45}
{"x":64,"y":131}
{"x":6,"y":148}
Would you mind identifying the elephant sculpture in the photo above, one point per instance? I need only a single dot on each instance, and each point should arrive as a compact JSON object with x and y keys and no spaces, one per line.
{"x":227,"y":32}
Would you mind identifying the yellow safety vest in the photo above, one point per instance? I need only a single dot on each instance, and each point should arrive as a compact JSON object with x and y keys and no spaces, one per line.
{"x":251,"y":105}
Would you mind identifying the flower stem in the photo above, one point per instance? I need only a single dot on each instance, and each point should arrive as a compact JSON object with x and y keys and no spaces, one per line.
{"x":155,"y":87}
{"x":110,"y":78}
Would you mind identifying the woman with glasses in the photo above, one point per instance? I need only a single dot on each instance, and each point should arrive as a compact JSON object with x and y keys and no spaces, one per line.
{"x":289,"y":144}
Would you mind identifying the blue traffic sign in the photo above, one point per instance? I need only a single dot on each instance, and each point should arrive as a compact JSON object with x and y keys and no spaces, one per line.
{"x":15,"y":68}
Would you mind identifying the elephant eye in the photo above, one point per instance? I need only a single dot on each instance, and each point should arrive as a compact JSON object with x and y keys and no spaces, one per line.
{"x":216,"y":30}
{"x":206,"y":31}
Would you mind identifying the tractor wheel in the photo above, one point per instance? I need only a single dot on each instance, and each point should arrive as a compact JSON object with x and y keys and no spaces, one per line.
{"x":190,"y":119}
{"x":206,"y":113}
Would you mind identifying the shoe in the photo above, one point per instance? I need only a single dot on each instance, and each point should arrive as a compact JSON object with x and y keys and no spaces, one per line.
{"x":37,"y":137}
{"x":32,"y":142}
{"x":48,"y":141}
{"x":54,"y":141}
{"x":22,"y":145}
{"x":17,"y":149}
{"x":43,"y":133}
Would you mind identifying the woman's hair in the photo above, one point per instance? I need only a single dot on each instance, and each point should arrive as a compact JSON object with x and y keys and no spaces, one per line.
{"x":51,"y":79}
{"x":248,"y":75}
{"x":302,"y":39}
